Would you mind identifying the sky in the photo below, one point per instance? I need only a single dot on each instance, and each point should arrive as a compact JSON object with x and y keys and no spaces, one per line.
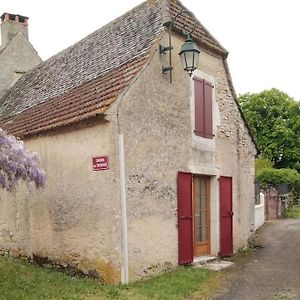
{"x":262,"y":36}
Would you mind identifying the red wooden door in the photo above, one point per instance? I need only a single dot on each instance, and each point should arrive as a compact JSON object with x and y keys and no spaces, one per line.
{"x":226,"y":214}
{"x":185,"y":219}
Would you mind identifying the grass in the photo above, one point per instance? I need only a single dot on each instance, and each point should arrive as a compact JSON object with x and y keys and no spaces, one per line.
{"x":284,"y":295}
{"x":174,"y":285}
{"x":244,"y":251}
{"x":294,"y":212}
{"x":22,"y":280}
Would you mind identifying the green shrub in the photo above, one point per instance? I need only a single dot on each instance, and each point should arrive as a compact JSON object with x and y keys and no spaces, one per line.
{"x":262,"y":163}
{"x":269,"y":176}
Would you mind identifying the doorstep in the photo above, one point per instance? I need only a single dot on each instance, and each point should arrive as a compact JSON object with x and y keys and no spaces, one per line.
{"x":216,"y":265}
{"x":201,"y":260}
{"x":211,"y":263}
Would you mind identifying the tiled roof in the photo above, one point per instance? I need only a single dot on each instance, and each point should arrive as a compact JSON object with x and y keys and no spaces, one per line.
{"x":83,"y":80}
{"x":86,"y":100}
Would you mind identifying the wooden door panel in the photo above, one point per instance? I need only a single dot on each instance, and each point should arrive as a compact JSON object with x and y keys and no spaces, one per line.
{"x":185,"y":219}
{"x":201,"y":211}
{"x":226,"y":216}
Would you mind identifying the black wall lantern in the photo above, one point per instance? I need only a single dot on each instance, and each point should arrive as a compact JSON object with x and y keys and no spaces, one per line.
{"x":189,"y":53}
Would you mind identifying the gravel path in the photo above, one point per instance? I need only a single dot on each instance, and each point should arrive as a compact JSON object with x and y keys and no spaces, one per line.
{"x":272,"y":272}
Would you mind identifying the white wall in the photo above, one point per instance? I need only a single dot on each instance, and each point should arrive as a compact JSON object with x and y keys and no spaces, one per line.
{"x":260,"y":212}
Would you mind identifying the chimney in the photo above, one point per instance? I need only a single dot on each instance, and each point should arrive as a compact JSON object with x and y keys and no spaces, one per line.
{"x":11,"y":25}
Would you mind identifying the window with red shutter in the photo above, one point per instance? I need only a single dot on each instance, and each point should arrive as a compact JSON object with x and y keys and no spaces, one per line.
{"x":203,"y":108}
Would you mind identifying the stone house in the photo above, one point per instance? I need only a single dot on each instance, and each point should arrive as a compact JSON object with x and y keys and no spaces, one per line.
{"x":17,"y":56}
{"x":174,"y":182}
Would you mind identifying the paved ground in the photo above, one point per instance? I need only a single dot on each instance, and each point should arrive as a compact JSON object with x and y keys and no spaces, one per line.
{"x":272,"y":272}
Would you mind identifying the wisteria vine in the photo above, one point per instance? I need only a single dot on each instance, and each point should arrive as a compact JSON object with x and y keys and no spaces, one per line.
{"x":17,"y":163}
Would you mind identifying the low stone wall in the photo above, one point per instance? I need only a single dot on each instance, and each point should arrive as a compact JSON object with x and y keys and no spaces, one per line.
{"x":272,"y":204}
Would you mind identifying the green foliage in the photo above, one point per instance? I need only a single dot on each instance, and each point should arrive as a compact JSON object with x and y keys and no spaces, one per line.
{"x":294,"y":212}
{"x":262,"y":163}
{"x":244,"y":251}
{"x":21,"y":280}
{"x":274,"y":120}
{"x":278,"y":176}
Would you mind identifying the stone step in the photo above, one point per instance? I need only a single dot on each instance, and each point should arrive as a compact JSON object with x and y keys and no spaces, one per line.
{"x":201,"y":260}
{"x":216,"y":265}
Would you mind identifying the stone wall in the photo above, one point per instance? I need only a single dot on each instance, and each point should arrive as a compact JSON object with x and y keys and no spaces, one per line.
{"x":17,"y":58}
{"x":74,"y":222}
{"x":155,"y":118}
{"x":272,"y":203}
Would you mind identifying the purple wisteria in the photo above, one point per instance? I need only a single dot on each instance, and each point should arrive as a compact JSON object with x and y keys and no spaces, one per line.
{"x":17,"y":163}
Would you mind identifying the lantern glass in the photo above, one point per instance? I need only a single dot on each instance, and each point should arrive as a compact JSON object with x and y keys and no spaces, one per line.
{"x":189,"y":56}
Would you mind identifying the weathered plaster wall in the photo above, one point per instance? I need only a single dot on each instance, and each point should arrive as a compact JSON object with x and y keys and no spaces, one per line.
{"x":155,"y":118}
{"x":155,"y":121}
{"x":15,"y":60}
{"x":75,"y":219}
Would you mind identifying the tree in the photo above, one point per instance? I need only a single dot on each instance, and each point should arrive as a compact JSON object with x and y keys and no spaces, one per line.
{"x":262,"y":163}
{"x":17,"y":163}
{"x":274,"y":120}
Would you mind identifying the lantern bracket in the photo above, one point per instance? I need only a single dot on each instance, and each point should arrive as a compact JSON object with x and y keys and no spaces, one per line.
{"x":169,"y":48}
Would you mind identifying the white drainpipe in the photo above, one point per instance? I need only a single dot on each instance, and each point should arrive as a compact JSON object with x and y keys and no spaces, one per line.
{"x":125,"y":270}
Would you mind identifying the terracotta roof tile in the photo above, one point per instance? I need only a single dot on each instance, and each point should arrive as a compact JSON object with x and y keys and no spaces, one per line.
{"x":77,"y":104}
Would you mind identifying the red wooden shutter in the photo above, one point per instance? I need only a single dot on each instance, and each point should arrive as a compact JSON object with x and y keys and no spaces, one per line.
{"x":199,"y":106}
{"x":203,"y":108}
{"x":185,"y":219}
{"x":226,"y":214}
{"x":208,"y":122}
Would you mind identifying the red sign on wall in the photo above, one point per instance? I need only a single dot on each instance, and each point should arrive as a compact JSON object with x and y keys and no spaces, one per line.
{"x":100,"y":163}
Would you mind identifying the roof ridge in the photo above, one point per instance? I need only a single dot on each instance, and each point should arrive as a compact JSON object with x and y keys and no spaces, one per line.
{"x":165,"y":11}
